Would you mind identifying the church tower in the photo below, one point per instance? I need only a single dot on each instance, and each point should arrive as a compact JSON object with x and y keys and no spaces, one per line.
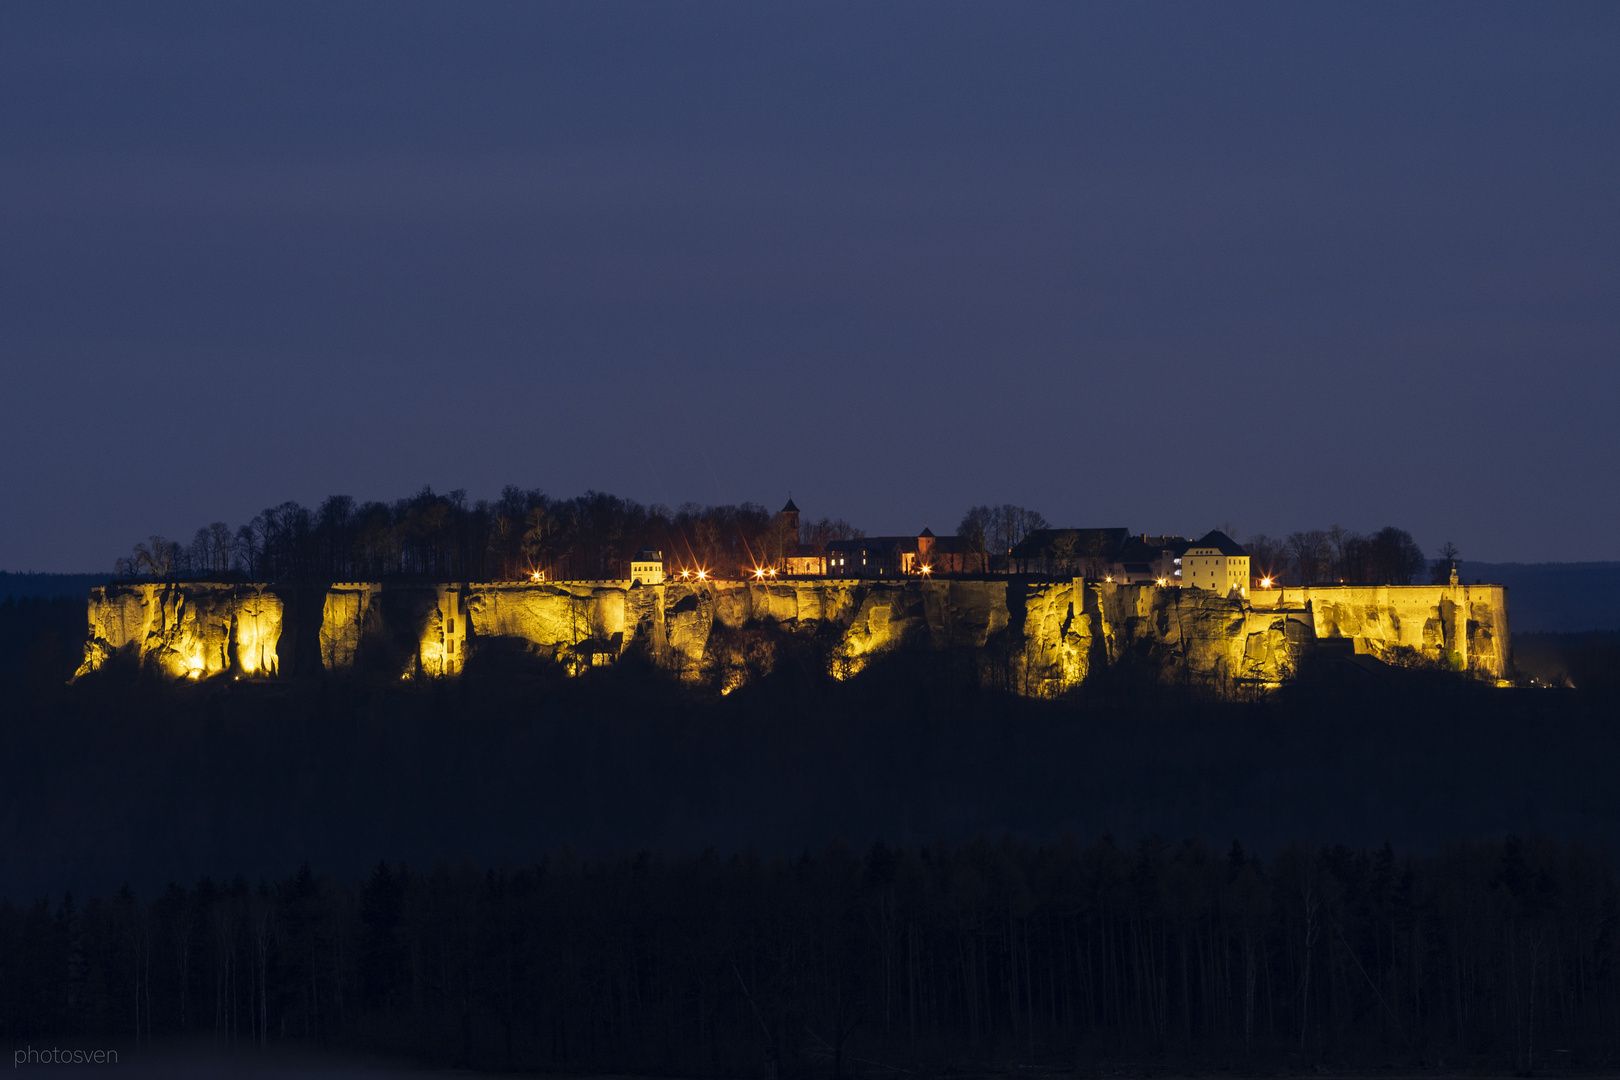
{"x":790,"y":524}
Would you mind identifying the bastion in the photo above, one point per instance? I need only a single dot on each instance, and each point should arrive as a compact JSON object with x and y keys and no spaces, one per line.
{"x":1041,"y":636}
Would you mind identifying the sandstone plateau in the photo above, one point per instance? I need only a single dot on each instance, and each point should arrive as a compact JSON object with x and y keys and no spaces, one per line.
{"x":1046,"y":636}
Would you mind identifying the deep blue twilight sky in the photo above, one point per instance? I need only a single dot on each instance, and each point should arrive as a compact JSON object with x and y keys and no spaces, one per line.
{"x":1155,"y":265}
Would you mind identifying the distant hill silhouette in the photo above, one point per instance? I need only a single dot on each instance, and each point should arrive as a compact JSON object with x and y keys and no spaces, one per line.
{"x":1554,"y":597}
{"x":46,"y":586}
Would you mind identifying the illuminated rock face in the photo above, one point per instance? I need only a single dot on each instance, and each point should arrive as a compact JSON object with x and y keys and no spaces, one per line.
{"x":1039,"y":638}
{"x":1464,"y":625}
{"x":556,"y":618}
{"x":1071,"y":630}
{"x":343,"y":621}
{"x":193,"y":630}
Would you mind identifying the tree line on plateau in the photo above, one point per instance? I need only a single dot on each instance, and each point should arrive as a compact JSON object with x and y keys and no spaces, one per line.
{"x":445,"y":537}
{"x":1337,"y":555}
{"x":524,"y":533}
{"x":1496,"y":955}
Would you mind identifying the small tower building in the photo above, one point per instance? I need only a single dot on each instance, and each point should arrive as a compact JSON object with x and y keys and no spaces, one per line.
{"x":790,"y":522}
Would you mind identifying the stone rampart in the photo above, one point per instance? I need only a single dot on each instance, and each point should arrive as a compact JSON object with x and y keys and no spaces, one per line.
{"x":1463,"y":625}
{"x":1046,"y":636}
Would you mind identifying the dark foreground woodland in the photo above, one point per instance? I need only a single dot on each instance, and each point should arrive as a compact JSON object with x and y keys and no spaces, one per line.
{"x":986,"y":956}
{"x":619,"y":872}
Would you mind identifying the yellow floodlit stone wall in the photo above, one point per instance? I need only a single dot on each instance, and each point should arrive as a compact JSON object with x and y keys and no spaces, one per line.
{"x":192,"y":630}
{"x":1040,"y":638}
{"x":344,"y":617}
{"x":1463,"y":625}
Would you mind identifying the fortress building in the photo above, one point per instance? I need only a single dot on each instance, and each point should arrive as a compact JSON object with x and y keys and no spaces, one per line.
{"x":798,"y":559}
{"x":898,"y":556}
{"x":1152,"y":560}
{"x":1062,"y":605}
{"x":647,"y":567}
{"x":1107,"y":555}
{"x":1218,"y":564}
{"x":1088,"y":552}
{"x":874,"y":556}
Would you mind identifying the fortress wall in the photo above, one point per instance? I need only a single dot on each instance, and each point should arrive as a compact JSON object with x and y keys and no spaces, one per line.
{"x":1186,"y":632}
{"x":1465,"y":625}
{"x":1054,"y":634}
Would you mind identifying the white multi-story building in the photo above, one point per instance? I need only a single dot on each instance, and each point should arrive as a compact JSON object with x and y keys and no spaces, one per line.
{"x":1216,"y":563}
{"x":647,"y":567}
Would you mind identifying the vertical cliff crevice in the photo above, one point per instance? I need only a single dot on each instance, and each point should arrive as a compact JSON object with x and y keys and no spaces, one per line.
{"x":1038,"y":638}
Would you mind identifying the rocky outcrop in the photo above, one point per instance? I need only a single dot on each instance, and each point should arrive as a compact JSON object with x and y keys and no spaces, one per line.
{"x":346,"y":613}
{"x":1043,"y":637}
{"x":1465,"y":626}
{"x":1071,"y":630}
{"x":191,"y":630}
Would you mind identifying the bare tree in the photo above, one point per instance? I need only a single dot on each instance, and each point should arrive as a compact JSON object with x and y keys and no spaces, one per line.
{"x":1060,"y":552}
{"x":818,"y":534}
{"x":1449,"y":558}
{"x":1341,"y":540}
{"x":1397,"y":556}
{"x":781,"y":539}
{"x":1010,"y":524}
{"x":158,"y":558}
{"x":976,"y":531}
{"x":1308,"y":555}
{"x":1268,"y":557}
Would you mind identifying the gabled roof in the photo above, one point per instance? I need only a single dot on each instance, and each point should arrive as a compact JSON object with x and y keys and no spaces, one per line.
{"x":647,"y":555}
{"x":873,"y":543}
{"x":1088,"y":543}
{"x":790,"y":508}
{"x":926,"y":532}
{"x":1141,"y":548}
{"x":1220,"y":542}
{"x":1167,"y":542}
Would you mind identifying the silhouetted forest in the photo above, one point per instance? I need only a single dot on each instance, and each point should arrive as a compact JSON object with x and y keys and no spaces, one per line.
{"x":621,"y":872}
{"x":985,"y":956}
{"x":1337,"y":555}
{"x":115,"y":778}
{"x":444,"y":537}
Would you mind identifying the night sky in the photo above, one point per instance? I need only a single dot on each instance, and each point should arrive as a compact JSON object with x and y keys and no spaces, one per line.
{"x":1160,"y":266}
